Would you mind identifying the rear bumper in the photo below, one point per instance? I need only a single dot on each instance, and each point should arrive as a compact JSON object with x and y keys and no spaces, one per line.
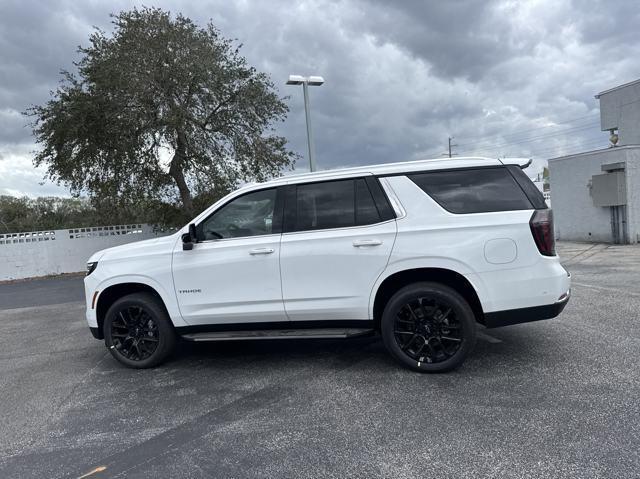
{"x":508,"y":317}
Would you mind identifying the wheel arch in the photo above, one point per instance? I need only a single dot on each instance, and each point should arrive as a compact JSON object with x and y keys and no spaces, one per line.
{"x":455,"y":280}
{"x":112,"y":293}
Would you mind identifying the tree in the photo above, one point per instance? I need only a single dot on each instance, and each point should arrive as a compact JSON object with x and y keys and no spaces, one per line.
{"x":46,"y":213}
{"x":158,"y":111}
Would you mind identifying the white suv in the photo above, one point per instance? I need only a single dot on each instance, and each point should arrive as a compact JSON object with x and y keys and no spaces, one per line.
{"x":419,"y":252}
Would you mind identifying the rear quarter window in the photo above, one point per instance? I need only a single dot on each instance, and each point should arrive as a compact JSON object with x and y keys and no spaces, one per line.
{"x":473,"y":190}
{"x":533,"y":193}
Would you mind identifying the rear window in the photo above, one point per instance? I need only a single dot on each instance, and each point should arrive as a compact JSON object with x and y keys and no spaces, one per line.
{"x":474,"y":190}
{"x":533,"y":193}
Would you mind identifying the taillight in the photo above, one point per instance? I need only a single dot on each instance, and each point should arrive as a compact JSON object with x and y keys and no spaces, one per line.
{"x":541,"y":224}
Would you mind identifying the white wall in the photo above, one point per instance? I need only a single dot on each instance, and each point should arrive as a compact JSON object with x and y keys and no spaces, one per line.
{"x":576,"y":218}
{"x":41,"y":253}
{"x":620,"y":108}
{"x":633,"y":194}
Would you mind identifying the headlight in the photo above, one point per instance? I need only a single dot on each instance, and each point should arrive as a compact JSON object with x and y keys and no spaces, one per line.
{"x":91,"y":267}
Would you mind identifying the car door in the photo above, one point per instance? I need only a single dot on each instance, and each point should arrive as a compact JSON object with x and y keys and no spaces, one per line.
{"x":337,"y":240}
{"x":232,"y":274}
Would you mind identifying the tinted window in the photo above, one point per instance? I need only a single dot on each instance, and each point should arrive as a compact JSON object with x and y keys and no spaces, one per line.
{"x":248,"y":215}
{"x":473,"y":190}
{"x":366,"y":211}
{"x":325,"y":205}
{"x":533,"y":193}
{"x":333,"y":204}
{"x":382,"y":203}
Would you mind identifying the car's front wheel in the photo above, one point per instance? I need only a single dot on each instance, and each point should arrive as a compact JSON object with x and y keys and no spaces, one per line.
{"x":138,"y":331}
{"x":428,"y":327}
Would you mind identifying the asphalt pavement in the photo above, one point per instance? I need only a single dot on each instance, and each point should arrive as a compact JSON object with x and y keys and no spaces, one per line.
{"x":557,"y":398}
{"x":41,"y":291}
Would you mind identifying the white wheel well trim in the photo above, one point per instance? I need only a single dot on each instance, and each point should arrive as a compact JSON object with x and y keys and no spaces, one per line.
{"x":168,"y":298}
{"x":451,"y":265}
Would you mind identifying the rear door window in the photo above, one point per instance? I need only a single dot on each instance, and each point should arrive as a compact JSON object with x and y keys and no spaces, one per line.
{"x":332,"y":204}
{"x":473,"y":190}
{"x":325,"y":205}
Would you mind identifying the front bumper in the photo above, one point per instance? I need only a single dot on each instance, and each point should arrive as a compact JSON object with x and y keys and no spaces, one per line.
{"x":96,"y":333}
{"x":508,"y":317}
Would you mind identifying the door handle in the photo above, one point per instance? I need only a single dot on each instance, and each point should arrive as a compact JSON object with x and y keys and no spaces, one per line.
{"x":367,"y":242}
{"x":261,"y":251}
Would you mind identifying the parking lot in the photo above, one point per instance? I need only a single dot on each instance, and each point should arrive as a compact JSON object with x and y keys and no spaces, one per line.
{"x":557,"y":398}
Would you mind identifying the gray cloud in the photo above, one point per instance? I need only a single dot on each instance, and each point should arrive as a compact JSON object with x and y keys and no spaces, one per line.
{"x":458,"y":38}
{"x":400,"y":76}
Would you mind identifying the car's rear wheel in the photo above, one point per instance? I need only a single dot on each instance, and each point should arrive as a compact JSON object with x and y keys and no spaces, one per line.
{"x":428,"y":327}
{"x":138,"y":331}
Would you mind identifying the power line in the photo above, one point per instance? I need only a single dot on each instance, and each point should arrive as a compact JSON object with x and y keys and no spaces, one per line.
{"x":534,"y":138}
{"x":516,"y":137}
{"x":512,"y":139}
{"x":582,"y":146}
{"x":528,"y":130}
{"x":573,"y":145}
{"x":573,"y":140}
{"x":550,"y":150}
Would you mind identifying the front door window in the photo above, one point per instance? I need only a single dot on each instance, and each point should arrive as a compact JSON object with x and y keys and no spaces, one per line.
{"x":247,"y":215}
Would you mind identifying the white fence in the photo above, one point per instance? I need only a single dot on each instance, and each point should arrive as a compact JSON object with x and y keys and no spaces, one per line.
{"x":41,"y":253}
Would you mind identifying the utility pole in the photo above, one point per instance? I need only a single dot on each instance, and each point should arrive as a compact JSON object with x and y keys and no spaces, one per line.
{"x":451,"y":145}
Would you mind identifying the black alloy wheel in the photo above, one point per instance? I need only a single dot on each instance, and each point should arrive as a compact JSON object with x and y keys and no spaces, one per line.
{"x":134,"y":333}
{"x":428,"y":330}
{"x":138,"y":331}
{"x":428,"y":327}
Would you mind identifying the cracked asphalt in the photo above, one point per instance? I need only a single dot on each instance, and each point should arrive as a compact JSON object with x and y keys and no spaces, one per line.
{"x":557,"y":398}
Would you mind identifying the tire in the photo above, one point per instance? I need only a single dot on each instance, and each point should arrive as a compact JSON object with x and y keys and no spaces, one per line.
{"x":438,"y":323}
{"x":138,"y":331}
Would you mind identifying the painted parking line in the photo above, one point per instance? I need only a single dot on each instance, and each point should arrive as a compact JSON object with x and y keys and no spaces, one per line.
{"x":92,"y":472}
{"x":605,"y":288}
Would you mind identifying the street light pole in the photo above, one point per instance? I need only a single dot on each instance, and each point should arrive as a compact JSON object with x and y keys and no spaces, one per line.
{"x":305,"y":82}
{"x":310,"y":144}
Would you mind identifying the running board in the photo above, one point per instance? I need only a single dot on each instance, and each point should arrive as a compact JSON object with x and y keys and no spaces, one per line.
{"x":325,"y":333}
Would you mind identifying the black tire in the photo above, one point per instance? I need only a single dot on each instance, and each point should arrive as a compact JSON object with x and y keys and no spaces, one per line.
{"x":138,"y":331}
{"x":437,"y":320}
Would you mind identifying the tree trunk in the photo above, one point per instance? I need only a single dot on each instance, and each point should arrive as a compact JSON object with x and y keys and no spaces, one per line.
{"x":175,"y":170}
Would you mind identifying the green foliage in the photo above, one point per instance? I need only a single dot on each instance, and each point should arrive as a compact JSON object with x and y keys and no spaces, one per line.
{"x":46,"y":213}
{"x":158,"y":113}
{"x":26,"y":214}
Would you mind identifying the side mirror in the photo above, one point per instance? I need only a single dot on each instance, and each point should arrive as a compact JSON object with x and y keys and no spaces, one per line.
{"x":187,"y":244}
{"x":189,"y":238}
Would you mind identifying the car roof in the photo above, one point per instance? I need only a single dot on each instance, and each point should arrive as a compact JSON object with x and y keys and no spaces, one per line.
{"x":385,"y":169}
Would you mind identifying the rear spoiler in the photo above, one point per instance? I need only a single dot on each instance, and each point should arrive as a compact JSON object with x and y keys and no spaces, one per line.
{"x":521,"y":162}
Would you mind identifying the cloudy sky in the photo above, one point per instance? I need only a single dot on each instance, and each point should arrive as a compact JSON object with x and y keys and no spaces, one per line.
{"x":504,"y":77}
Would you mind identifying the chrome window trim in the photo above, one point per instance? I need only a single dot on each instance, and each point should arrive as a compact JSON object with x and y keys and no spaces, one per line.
{"x":218,"y":240}
{"x":393,"y":198}
{"x":343,"y":228}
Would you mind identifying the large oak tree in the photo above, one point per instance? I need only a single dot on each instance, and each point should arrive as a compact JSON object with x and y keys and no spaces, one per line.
{"x":160,"y":110}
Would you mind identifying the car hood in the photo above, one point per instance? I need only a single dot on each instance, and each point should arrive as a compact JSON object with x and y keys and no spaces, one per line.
{"x":137,"y":248}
